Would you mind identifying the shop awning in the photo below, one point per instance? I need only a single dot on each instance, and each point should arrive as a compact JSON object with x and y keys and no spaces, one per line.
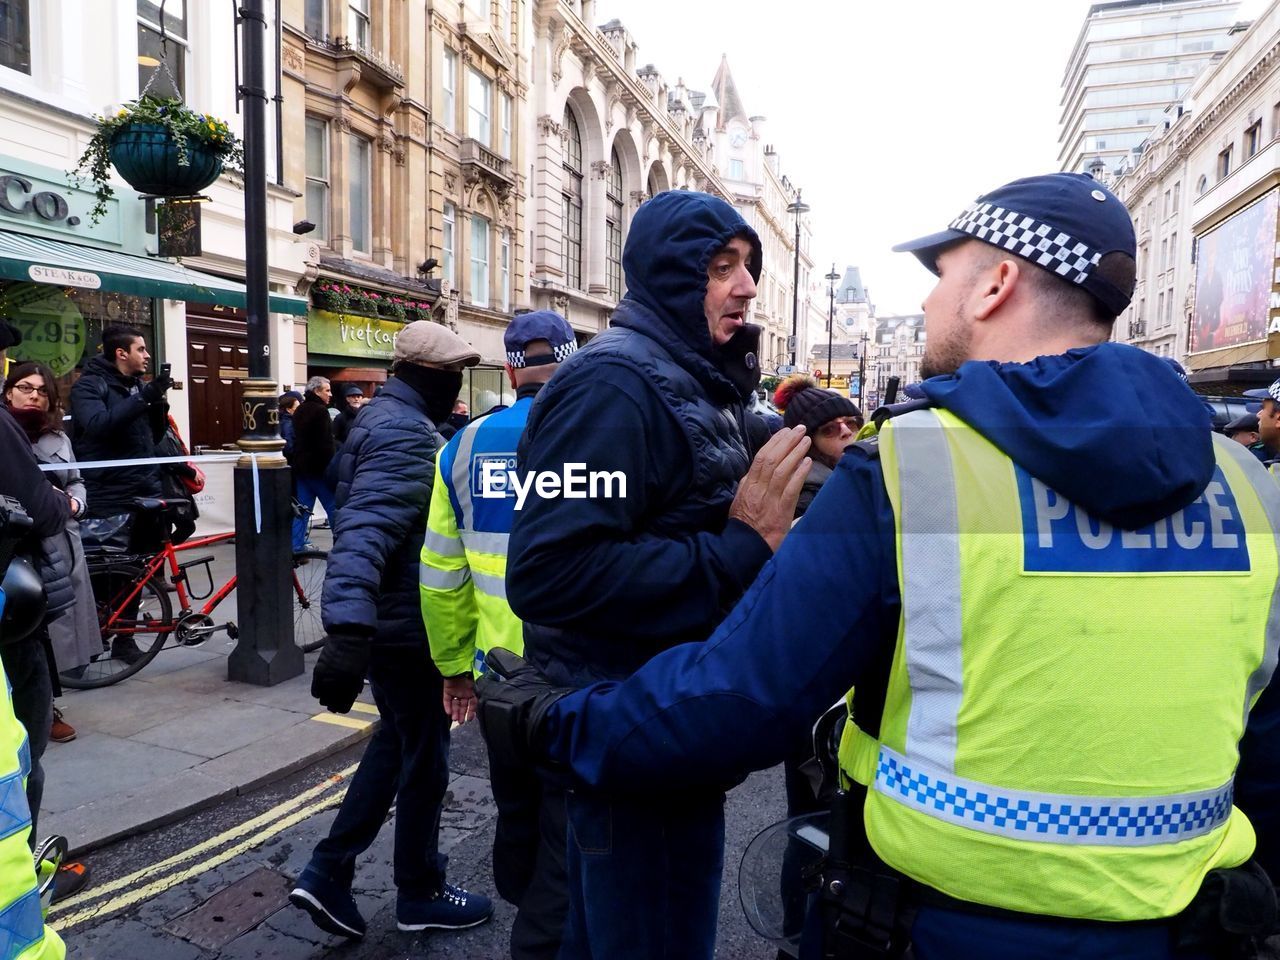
{"x":71,"y":265}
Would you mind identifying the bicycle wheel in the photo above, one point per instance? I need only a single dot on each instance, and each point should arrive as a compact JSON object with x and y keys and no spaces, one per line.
{"x":135,"y":637}
{"x":309,"y":568}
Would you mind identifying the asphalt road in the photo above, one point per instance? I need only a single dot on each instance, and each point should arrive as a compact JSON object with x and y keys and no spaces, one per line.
{"x":212,"y":885}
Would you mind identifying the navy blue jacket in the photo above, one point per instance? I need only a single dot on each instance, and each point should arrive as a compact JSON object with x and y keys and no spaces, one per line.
{"x":823,"y":615}
{"x":602,"y":584}
{"x":110,"y":420}
{"x":385,"y":473}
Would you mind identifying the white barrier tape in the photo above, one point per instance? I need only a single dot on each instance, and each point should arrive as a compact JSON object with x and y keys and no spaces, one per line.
{"x":143,"y":462}
{"x":257,"y":495}
{"x":152,"y":461}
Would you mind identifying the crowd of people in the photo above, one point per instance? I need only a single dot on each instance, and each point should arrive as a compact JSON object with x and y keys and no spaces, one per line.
{"x":1055,"y":737}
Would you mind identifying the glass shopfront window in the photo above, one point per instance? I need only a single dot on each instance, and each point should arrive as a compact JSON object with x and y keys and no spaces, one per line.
{"x":62,"y":327}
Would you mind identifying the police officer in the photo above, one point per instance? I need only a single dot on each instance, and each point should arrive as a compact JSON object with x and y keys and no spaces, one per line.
{"x":1268,"y":446}
{"x":464,"y":607}
{"x":1054,"y":686}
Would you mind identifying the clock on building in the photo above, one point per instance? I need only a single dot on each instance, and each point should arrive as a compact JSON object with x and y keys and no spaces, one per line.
{"x":737,"y":138}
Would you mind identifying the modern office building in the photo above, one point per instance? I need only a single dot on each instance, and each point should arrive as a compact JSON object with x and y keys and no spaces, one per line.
{"x":1132,"y":59}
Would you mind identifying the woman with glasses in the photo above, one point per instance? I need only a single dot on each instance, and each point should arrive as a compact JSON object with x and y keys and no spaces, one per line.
{"x":31,"y":395}
{"x":831,"y":421}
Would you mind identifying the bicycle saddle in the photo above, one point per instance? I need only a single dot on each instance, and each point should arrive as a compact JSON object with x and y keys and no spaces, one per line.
{"x":150,"y":504}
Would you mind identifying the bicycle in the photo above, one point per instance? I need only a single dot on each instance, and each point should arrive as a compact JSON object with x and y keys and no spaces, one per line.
{"x":136,"y":616}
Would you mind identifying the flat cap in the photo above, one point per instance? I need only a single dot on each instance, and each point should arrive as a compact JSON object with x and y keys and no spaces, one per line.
{"x":428,"y":343}
{"x":1246,"y":422}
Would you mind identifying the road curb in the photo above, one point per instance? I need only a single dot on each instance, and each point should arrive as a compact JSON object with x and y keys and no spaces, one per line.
{"x":199,"y":795}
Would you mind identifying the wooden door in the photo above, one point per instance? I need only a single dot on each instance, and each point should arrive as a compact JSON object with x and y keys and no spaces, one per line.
{"x":217,"y":362}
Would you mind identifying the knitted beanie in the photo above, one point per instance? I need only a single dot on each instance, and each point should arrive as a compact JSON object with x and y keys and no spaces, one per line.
{"x":804,"y":402}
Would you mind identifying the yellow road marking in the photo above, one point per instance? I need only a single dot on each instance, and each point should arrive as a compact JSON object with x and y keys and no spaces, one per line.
{"x":94,"y":893}
{"x":361,"y":707}
{"x":104,"y":910}
{"x":339,"y":720}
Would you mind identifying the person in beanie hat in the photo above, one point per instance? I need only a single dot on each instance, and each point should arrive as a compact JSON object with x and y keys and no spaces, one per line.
{"x":385,"y":473}
{"x":832,"y":421}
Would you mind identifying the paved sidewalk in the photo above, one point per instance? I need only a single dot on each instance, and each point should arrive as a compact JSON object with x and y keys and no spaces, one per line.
{"x":178,"y":737}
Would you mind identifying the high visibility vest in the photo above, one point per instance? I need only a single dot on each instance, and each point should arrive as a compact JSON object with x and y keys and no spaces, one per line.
{"x":1060,"y":730}
{"x":463,"y":570}
{"x":23,"y":934}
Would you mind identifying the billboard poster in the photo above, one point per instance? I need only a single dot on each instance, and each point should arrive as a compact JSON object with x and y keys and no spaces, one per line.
{"x":1234,"y":267}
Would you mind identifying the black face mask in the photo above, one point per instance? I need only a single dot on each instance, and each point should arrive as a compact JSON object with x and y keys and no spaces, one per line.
{"x":740,"y":360}
{"x":438,"y":388}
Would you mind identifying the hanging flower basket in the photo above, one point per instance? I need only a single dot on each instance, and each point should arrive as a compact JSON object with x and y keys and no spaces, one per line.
{"x":149,"y":159}
{"x":159,"y":147}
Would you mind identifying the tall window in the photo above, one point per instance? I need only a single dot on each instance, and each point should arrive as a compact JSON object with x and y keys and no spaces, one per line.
{"x":1177,"y":195}
{"x":359,"y":177}
{"x":504,"y":123}
{"x":151,"y":51}
{"x":504,"y":19}
{"x":448,"y":81}
{"x":479,"y":260}
{"x":479,"y":99}
{"x":318,"y":177}
{"x":15,"y":35}
{"x":447,"y":249}
{"x":504,"y":271}
{"x":736,"y":171}
{"x":316,"y":19}
{"x":572,"y":203}
{"x":358,"y":23}
{"x":1224,"y":163}
{"x":613,"y":225}
{"x":1253,"y":140}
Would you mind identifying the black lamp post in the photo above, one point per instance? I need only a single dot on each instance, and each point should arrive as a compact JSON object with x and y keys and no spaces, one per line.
{"x":832,"y":277}
{"x":862,"y":369}
{"x":798,"y":208}
{"x":265,"y":653}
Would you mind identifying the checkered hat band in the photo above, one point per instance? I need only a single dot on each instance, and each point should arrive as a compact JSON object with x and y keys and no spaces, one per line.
{"x":561,"y":353}
{"x":1274,"y":391}
{"x":1030,"y":239}
{"x":1051,"y":818}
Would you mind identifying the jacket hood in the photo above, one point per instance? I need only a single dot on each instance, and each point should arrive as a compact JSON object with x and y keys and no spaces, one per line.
{"x":671,"y":242}
{"x":1109,"y":427}
{"x":100,"y":366}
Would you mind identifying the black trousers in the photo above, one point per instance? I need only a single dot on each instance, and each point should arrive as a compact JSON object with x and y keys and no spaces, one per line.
{"x":539,"y":924}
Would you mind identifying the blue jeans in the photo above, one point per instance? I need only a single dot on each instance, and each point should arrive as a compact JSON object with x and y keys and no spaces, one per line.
{"x":309,"y":488}
{"x":644,"y":876}
{"x":407,"y":760}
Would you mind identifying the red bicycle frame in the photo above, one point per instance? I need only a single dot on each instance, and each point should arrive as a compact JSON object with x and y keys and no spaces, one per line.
{"x":169,"y":555}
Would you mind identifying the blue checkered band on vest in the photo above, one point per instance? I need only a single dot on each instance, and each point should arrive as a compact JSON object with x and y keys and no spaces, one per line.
{"x":1038,"y":242}
{"x":1051,"y":818}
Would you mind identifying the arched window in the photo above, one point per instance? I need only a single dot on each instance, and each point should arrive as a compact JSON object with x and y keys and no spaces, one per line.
{"x":655,"y":187}
{"x":1202,"y":185}
{"x":613,"y":224}
{"x":572,"y":203}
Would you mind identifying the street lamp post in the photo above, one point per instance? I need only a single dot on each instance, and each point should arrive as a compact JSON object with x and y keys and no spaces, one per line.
{"x":862,"y":368}
{"x":832,"y":277}
{"x":798,"y":208}
{"x":265,"y":653}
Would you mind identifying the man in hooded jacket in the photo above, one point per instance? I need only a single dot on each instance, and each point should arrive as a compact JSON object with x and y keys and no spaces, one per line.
{"x":603,"y":583}
{"x":1030,"y":604}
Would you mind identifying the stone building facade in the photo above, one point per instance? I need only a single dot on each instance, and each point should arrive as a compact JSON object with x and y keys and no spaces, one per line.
{"x":410,"y":118}
{"x":605,"y":134}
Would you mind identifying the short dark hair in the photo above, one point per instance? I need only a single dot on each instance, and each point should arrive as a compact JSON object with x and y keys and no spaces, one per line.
{"x":118,"y":337}
{"x":1063,"y":297}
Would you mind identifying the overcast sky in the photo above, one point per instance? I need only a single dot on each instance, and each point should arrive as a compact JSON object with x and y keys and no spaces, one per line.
{"x":892,"y":116}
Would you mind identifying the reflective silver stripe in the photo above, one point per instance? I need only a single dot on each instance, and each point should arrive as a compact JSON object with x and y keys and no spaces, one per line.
{"x":484,"y":542}
{"x":460,"y":473}
{"x":441,"y":545}
{"x":930,"y":586}
{"x":1051,"y":817}
{"x":491,"y":585}
{"x":1264,"y":485}
{"x":436,"y":579}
